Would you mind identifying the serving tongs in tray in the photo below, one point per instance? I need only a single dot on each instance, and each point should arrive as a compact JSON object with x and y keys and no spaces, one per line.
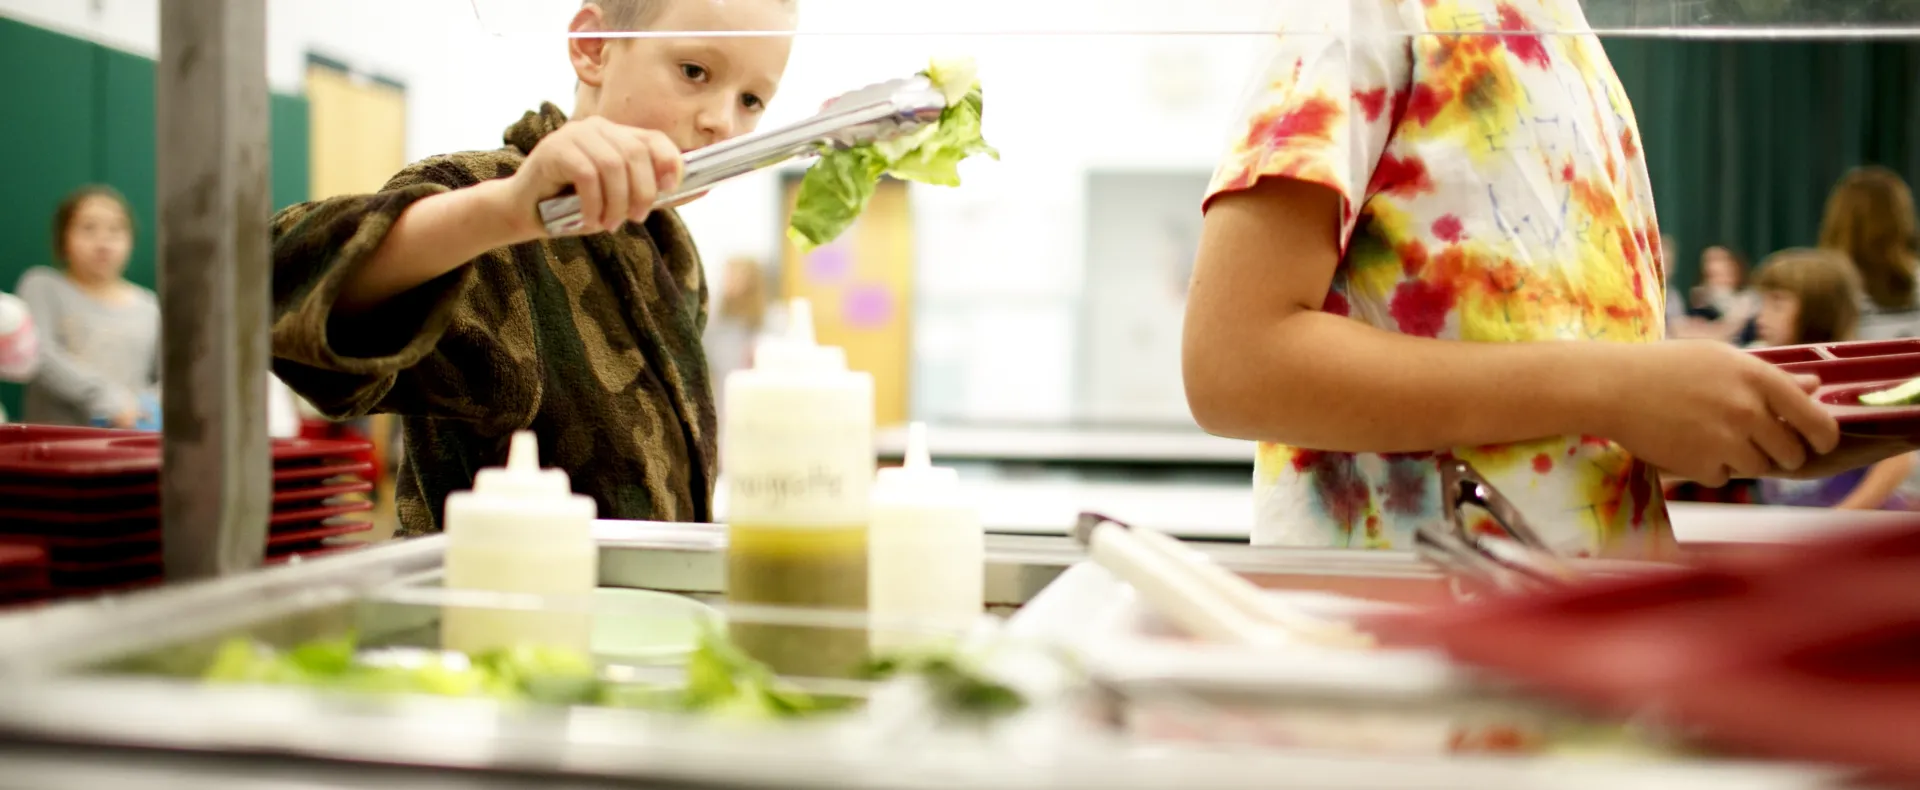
{"x":1216,"y":605}
{"x":1513,"y":560}
{"x":876,"y":113}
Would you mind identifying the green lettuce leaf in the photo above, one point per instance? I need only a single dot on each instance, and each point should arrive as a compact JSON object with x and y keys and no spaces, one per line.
{"x":836,"y":188}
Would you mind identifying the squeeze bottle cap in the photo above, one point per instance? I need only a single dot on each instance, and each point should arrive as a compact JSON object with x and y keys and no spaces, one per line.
{"x":522,"y":477}
{"x":797,"y":352}
{"x":917,"y":476}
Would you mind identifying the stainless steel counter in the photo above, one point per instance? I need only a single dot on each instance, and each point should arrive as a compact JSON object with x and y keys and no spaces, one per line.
{"x":64,"y":725}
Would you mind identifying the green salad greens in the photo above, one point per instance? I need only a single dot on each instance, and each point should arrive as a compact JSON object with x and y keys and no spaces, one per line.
{"x":720,"y":679}
{"x":837,"y":187}
{"x":956,"y":688}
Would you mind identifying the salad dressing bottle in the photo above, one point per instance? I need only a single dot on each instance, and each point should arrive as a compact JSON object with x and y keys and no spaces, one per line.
{"x":797,"y":449}
{"x":521,"y":530}
{"x":927,"y":554}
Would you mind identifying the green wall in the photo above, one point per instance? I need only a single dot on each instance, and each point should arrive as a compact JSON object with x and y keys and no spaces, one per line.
{"x":1745,"y":139}
{"x":80,"y":113}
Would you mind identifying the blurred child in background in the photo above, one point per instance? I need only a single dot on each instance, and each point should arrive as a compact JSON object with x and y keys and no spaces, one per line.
{"x":1870,"y":218}
{"x":99,"y":333}
{"x":1811,"y":296}
{"x":1723,"y":306}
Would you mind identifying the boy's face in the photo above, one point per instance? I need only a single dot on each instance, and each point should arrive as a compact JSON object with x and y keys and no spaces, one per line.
{"x":699,"y":91}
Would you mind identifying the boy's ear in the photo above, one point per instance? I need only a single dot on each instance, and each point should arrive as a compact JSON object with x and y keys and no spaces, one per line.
{"x":589,"y":54}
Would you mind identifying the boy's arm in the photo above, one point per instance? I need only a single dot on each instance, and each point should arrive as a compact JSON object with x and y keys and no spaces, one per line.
{"x":434,"y":236}
{"x":458,"y":346}
{"x":381,"y":301}
{"x":617,"y":171}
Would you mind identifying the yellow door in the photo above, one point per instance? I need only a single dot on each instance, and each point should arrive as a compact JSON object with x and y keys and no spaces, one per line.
{"x":359,"y":131}
{"x":357,"y":141}
{"x":861,"y":287}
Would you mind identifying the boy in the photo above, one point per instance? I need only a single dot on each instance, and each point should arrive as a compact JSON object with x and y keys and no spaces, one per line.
{"x":442,"y":300}
{"x":1436,"y":236}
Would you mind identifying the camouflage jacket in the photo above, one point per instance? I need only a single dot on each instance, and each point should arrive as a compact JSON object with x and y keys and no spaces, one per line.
{"x":593,"y":343}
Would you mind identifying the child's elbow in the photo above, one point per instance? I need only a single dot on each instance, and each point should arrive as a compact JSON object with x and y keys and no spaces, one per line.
{"x":1212,"y":397}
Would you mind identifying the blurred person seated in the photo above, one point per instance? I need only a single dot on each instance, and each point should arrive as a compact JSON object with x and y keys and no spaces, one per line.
{"x":1870,"y":219}
{"x":99,"y":334}
{"x":1722,"y":307}
{"x":1811,"y":296}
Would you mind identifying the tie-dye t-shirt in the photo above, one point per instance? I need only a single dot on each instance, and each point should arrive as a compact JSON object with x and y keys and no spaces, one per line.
{"x":1495,"y":192}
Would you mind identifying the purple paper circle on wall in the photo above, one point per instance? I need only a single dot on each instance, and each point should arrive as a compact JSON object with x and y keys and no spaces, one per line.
{"x":830,"y":264}
{"x":867,"y":306}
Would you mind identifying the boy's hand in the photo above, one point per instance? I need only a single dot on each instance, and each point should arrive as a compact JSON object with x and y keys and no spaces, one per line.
{"x":1709,"y":412}
{"x":617,"y":171}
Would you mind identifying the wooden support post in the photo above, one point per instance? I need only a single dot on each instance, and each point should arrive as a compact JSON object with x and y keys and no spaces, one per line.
{"x":215,"y":275}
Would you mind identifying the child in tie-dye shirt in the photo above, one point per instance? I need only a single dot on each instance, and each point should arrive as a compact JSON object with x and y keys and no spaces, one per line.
{"x":1434,"y":236}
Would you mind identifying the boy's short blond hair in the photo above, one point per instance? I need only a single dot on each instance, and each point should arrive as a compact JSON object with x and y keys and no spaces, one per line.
{"x":628,"y":15}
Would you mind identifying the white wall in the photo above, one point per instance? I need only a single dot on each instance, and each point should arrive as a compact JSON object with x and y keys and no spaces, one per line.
{"x":1000,"y":260}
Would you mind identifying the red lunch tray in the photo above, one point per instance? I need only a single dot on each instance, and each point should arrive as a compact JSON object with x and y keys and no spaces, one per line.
{"x":1849,"y":370}
{"x":290,"y":485}
{"x":1813,"y":655}
{"x":138,"y":502}
{"x":23,"y":569}
{"x":17,"y":433}
{"x":41,"y":522}
{"x":139,"y":455}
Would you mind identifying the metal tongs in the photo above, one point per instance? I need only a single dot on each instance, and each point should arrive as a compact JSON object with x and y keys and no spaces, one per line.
{"x":876,"y":113}
{"x":1516,"y":560}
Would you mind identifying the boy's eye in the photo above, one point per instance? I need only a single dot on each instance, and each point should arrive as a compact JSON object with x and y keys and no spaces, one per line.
{"x":693,"y":71}
{"x":753,"y":102}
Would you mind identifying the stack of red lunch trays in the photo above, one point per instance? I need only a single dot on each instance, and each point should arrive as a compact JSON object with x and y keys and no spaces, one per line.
{"x":23,"y":571}
{"x":1808,"y":653}
{"x":87,"y":502}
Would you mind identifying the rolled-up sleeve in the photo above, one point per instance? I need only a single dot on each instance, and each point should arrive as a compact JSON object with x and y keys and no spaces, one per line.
{"x":458,"y":347}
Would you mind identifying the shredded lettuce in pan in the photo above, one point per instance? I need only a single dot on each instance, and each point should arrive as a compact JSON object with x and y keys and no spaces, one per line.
{"x":720,"y":679}
{"x":837,"y":187}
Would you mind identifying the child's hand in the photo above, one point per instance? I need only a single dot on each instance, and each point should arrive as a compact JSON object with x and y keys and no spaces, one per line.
{"x":1709,"y":412}
{"x":616,"y":170}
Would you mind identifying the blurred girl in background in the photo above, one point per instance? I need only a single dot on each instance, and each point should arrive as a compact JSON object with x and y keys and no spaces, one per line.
{"x":1811,"y":296}
{"x":99,"y":334}
{"x":1870,"y":218}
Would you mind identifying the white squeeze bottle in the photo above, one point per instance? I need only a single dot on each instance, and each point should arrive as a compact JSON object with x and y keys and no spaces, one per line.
{"x":926,"y":553}
{"x":521,"y":530}
{"x":797,"y":452}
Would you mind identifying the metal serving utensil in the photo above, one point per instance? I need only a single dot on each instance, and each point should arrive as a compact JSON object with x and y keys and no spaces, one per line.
{"x":884,"y":111}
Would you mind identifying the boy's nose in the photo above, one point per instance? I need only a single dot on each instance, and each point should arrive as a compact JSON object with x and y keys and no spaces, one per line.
{"x":715,"y":126}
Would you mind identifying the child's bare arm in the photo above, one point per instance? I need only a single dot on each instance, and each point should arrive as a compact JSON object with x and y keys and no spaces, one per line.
{"x":1261,"y":361}
{"x":1880,"y":483}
